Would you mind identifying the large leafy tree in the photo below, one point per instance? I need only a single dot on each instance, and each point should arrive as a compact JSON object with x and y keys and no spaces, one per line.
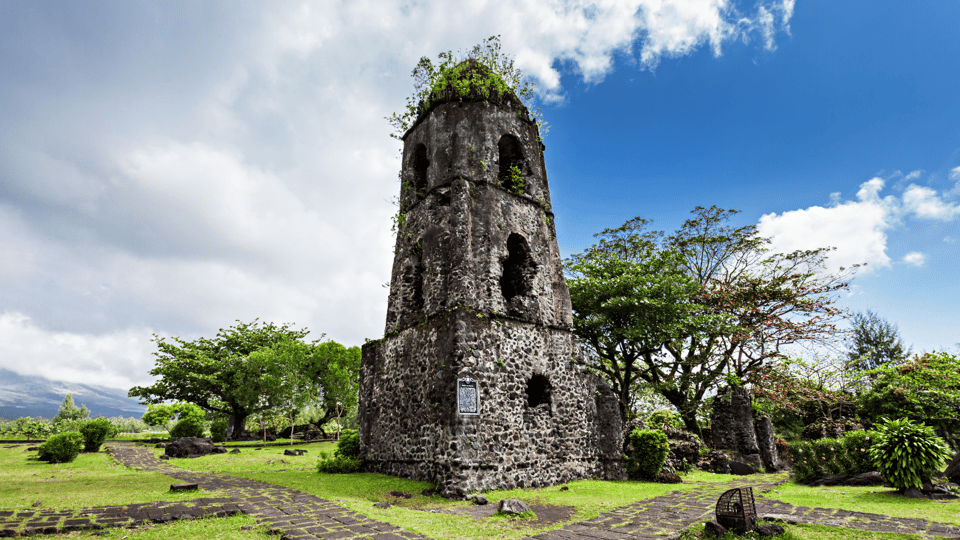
{"x":630,"y":298}
{"x":873,"y":342}
{"x":925,"y":389}
{"x":732,"y":304}
{"x":231,"y":374}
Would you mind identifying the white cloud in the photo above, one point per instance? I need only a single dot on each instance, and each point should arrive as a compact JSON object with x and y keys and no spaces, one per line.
{"x":858,"y":229}
{"x":924,"y":203}
{"x":118,"y":359}
{"x":244,"y":174}
{"x":913,"y":175}
{"x":955,"y":173}
{"x":915,"y":258}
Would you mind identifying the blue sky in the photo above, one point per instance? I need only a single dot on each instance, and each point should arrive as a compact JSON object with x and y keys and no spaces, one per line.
{"x":171,"y":167}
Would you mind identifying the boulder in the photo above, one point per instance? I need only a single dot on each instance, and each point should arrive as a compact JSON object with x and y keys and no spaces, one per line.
{"x":767,"y":530}
{"x":741,"y":463}
{"x":715,"y":461}
{"x":826,"y":428}
{"x":668,"y":476}
{"x":914,"y":493}
{"x":952,"y":471}
{"x":741,"y":469}
{"x":512,"y":506}
{"x":715,"y":528}
{"x":235,"y":451}
{"x":872,"y":478}
{"x":830,"y":480}
{"x":766,"y":442}
{"x":189,"y":447}
{"x":480,"y":500}
{"x":684,"y":448}
{"x":732,"y":421}
{"x":219,"y":450}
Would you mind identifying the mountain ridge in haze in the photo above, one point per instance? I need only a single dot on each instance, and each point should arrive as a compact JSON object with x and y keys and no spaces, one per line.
{"x":31,"y":395}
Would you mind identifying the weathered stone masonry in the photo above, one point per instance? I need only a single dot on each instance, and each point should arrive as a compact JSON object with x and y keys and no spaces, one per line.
{"x":478,"y":294}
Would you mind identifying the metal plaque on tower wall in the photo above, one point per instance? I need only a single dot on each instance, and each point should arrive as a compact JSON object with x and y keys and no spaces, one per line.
{"x":468,"y":397}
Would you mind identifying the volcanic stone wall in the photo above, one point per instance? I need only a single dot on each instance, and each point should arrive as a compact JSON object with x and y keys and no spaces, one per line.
{"x":411,"y":427}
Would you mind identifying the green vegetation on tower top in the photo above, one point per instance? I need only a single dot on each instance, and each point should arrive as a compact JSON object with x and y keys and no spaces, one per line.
{"x":483,"y":74}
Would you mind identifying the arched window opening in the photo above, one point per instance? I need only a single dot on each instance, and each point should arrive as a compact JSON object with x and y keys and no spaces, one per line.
{"x":519,"y":269}
{"x":510,"y":174}
{"x":538,"y":391}
{"x":420,"y":164}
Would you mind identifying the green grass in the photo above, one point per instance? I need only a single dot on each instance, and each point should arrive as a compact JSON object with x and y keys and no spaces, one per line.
{"x":207,"y":528}
{"x":89,"y":480}
{"x":806,"y":532}
{"x":871,"y":499}
{"x":269,"y":458}
{"x":360,"y":491}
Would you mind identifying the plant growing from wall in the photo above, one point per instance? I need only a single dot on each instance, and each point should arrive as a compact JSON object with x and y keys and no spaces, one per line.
{"x":483,"y":74}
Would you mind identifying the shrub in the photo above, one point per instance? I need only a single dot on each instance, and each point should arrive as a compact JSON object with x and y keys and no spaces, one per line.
{"x":349,"y":445}
{"x":95,"y":432}
{"x":664,"y":417}
{"x":806,"y":466}
{"x":62,"y":447}
{"x":646,"y":452}
{"x":856,"y":449}
{"x":829,"y":454}
{"x":188,"y":427}
{"x":907,"y":454}
{"x":218,"y":429}
{"x":340,"y":465}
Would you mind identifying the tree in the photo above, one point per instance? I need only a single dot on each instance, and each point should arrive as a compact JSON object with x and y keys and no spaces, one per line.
{"x":873,"y":342}
{"x":707,"y":300}
{"x":69,"y":411}
{"x":924,"y":389}
{"x":219,"y":374}
{"x":630,"y":298}
{"x":211,"y":373}
{"x":160,"y":414}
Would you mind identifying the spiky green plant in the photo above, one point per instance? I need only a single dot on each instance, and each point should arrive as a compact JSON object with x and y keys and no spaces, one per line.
{"x":907,"y":454}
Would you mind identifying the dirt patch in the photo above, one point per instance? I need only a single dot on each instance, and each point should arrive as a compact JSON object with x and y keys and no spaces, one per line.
{"x":546,"y":514}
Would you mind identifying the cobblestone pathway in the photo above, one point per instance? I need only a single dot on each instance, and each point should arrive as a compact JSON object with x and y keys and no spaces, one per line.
{"x":299,"y":515}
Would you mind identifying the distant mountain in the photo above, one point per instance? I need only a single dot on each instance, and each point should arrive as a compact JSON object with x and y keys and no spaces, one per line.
{"x":26,"y":395}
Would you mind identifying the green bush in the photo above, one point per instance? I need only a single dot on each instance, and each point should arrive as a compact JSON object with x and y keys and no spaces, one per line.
{"x":95,"y":432}
{"x":806,"y":466}
{"x":218,"y":429}
{"x":664,"y":417}
{"x":647,"y":451}
{"x":907,"y":454}
{"x":856,"y":450}
{"x":340,"y":465}
{"x":829,"y":454}
{"x":188,"y":427}
{"x":349,"y":445}
{"x":62,"y":447}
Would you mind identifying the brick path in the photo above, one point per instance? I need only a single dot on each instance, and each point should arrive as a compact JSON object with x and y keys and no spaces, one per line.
{"x":299,"y":515}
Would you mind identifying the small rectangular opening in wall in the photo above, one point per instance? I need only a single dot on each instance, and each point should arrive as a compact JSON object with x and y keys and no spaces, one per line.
{"x":468,"y":397}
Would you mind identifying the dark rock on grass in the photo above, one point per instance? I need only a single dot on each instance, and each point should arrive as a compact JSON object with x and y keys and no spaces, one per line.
{"x":189,"y":447}
{"x":914,"y":493}
{"x":512,"y":506}
{"x":235,"y":451}
{"x":830,"y":480}
{"x":741,"y":469}
{"x":382,"y":505}
{"x":872,"y":478}
{"x":668,"y":476}
{"x":429,"y":492}
{"x":715,"y":528}
{"x":294,"y":452}
{"x":479,"y":499}
{"x":767,"y":530}
{"x":401,"y":494}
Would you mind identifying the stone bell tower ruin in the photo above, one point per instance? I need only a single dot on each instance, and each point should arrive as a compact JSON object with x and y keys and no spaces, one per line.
{"x":479,"y":382}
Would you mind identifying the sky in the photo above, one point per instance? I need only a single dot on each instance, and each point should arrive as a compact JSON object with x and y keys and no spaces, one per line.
{"x":169,"y":168}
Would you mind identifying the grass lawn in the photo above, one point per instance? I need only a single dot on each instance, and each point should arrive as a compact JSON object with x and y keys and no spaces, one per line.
{"x":268,"y":458}
{"x":89,"y":480}
{"x":228,"y":528}
{"x":871,"y":499}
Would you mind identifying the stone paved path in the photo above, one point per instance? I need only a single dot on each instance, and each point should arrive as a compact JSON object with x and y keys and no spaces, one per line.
{"x":299,"y":515}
